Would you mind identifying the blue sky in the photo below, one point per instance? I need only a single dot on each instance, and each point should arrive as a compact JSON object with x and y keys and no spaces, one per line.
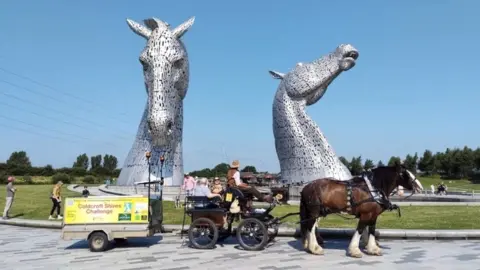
{"x":414,"y":86}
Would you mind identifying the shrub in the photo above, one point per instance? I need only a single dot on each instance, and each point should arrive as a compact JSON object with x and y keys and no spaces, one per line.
{"x":3,"y":178}
{"x":65,"y":178}
{"x":89,"y":179}
{"x":27,"y":179}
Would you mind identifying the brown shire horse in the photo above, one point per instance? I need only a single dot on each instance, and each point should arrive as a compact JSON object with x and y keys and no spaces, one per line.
{"x":326,"y":196}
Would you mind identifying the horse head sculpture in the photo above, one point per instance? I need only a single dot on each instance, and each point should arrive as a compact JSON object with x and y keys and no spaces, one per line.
{"x":302,"y":149}
{"x":166,"y":70}
{"x":166,"y":75}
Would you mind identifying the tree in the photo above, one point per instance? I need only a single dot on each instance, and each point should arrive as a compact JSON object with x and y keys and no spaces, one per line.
{"x":345,"y":162}
{"x":356,"y":166}
{"x":19,"y":159}
{"x":95,"y":162}
{"x":221,"y":169}
{"x":393,"y":160}
{"x":368,"y":165}
{"x":110,"y":163}
{"x":476,"y":159}
{"x":380,"y":164}
{"x":81,"y":162}
{"x":427,"y":162}
{"x":410,"y":163}
{"x":249,"y":168}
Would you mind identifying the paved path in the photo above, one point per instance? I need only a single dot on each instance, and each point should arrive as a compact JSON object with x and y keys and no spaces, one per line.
{"x":27,"y":248}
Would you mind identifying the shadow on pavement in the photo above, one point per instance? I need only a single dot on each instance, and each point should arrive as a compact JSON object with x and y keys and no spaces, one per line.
{"x":130,"y":243}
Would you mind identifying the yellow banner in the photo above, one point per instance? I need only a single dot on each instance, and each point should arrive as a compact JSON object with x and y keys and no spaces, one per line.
{"x":94,"y":210}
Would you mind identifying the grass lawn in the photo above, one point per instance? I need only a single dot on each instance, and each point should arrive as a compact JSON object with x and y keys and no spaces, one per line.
{"x":460,"y":184}
{"x":33,"y":202}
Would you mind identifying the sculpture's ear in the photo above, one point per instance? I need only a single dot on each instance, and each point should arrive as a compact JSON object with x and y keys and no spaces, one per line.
{"x":139,"y":29}
{"x":276,"y":75}
{"x":180,"y":30}
{"x":154,"y":23}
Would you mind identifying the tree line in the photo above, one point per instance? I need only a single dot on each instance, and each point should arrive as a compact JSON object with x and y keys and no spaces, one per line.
{"x":453,"y":163}
{"x":91,"y":169}
{"x":220,"y":171}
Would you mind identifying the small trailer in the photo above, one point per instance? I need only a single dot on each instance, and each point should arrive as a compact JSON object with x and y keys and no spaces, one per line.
{"x":102,"y":220}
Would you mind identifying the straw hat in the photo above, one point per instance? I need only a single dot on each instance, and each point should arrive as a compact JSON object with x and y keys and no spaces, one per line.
{"x":235,"y":164}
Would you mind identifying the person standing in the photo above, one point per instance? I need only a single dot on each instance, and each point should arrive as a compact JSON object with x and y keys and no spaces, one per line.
{"x":56,"y":200}
{"x":9,"y":197}
{"x":189,"y":184}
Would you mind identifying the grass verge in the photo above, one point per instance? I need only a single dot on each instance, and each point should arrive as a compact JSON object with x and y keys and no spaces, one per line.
{"x":33,"y":202}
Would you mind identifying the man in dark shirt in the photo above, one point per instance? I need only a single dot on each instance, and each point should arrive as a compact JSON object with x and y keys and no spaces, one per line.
{"x":85,"y":192}
{"x":10,"y":194}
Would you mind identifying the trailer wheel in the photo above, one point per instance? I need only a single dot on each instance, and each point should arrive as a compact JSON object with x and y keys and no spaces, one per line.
{"x":98,"y":242}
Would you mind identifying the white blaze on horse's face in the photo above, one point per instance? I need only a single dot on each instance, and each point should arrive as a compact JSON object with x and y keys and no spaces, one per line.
{"x":165,"y":67}
{"x":416,"y":183}
{"x":307,"y":82}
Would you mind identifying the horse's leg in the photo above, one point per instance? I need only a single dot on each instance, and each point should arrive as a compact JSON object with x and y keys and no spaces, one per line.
{"x":312,"y":243}
{"x":372,"y":247}
{"x":353,"y":248}
{"x":303,"y":223}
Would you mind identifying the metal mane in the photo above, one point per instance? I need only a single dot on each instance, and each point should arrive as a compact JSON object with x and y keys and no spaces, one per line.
{"x":166,"y":73}
{"x":303,"y":151}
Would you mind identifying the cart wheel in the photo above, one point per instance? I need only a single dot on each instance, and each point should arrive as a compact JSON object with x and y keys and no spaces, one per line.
{"x":98,"y":241}
{"x":252,"y":234}
{"x":203,"y":233}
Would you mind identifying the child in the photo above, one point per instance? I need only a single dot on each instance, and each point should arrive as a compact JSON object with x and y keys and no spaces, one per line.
{"x":85,"y":192}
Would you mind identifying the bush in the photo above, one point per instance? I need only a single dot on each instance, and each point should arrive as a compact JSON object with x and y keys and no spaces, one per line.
{"x":89,"y":179}
{"x":65,"y":178}
{"x":27,"y":179}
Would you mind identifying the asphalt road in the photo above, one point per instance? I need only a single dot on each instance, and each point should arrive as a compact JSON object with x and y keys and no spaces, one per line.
{"x":27,"y":248}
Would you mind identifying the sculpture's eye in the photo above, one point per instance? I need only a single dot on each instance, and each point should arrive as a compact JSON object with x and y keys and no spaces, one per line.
{"x":178,"y":64}
{"x":144,"y":65}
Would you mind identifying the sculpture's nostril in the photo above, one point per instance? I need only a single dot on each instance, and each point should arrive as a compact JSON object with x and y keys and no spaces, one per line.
{"x":352,"y":54}
{"x":169,"y":125}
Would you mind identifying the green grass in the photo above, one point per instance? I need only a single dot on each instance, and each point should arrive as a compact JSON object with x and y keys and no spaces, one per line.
{"x":33,"y":202}
{"x":457,"y":184}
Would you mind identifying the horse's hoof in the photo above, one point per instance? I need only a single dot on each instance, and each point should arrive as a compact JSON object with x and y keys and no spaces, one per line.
{"x":374,"y":252}
{"x":317,"y":251}
{"x":356,"y":253}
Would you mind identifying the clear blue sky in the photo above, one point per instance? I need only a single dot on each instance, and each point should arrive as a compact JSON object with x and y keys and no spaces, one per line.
{"x":414,"y":86}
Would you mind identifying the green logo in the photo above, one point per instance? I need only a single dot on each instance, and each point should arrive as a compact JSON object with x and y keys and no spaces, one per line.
{"x":124,"y":217}
{"x":127,"y":207}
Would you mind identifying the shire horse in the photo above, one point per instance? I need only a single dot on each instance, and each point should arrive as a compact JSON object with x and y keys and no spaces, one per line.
{"x":365,"y":197}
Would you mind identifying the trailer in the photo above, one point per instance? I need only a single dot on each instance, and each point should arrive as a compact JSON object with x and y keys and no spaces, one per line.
{"x":104,"y":219}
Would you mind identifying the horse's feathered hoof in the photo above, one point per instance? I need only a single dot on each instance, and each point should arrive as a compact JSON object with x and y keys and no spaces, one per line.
{"x":355,"y":253}
{"x":374,"y":252}
{"x":317,"y":251}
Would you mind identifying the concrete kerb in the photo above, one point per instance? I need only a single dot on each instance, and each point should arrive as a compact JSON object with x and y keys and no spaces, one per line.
{"x":104,"y":189}
{"x":294,"y":232}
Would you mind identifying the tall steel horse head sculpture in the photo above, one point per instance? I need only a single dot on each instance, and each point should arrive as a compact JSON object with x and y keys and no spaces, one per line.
{"x":166,"y":70}
{"x":302,"y":149}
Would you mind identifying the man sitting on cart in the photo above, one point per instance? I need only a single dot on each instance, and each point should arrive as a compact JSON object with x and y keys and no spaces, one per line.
{"x":233,"y":180}
{"x":202,"y":189}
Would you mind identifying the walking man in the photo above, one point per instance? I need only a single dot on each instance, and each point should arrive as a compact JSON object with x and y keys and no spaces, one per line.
{"x":9,"y":196}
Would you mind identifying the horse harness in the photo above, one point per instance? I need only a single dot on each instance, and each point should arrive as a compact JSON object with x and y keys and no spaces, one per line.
{"x":376,"y":195}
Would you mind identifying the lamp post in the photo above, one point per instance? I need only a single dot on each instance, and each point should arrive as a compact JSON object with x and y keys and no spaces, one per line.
{"x":148,"y":155}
